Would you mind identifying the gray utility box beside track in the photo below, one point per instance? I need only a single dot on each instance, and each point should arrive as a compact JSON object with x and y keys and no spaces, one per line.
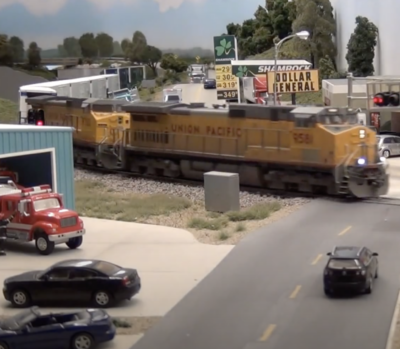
{"x":221,"y":191}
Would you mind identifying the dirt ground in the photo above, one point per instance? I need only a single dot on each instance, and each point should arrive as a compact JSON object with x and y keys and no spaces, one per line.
{"x":94,"y":199}
{"x":230,"y":234}
{"x":138,"y":325}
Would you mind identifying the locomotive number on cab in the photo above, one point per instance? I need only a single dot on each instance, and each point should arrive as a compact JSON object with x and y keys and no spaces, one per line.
{"x":302,"y":138}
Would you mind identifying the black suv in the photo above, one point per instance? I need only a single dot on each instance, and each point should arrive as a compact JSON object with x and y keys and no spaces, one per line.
{"x":350,"y":268}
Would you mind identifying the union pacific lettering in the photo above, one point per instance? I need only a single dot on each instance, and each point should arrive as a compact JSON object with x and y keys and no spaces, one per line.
{"x":185,"y":129}
{"x":224,"y":131}
{"x":209,"y":130}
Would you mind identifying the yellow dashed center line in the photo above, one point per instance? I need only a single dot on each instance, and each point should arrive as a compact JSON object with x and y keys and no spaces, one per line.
{"x":295,"y":292}
{"x":344,"y":231}
{"x":267,"y":333}
{"x":316,"y":260}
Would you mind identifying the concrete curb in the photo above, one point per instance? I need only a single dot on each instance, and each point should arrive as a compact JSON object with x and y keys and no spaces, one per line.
{"x":393,"y":325}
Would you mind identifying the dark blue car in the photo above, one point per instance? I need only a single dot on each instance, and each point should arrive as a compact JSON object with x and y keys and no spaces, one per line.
{"x":78,"y":330}
{"x":210,"y":83}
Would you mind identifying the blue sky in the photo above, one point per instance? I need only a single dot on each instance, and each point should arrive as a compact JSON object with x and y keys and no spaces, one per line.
{"x":166,"y":23}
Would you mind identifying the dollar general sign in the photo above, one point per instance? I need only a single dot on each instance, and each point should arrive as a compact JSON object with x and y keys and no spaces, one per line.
{"x":295,"y":81}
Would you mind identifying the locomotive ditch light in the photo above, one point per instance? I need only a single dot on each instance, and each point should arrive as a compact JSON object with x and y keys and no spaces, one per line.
{"x":361,"y":161}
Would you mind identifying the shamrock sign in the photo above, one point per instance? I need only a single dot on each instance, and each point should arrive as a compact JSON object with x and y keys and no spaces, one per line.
{"x":224,"y":48}
{"x":242,"y":72}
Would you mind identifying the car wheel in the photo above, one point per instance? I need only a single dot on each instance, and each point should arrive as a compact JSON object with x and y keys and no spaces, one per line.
{"x":20,"y":299}
{"x":370,"y":286}
{"x":376,"y":274}
{"x":3,"y":345}
{"x":386,"y":154}
{"x":327,"y":292}
{"x":102,"y":299}
{"x":82,"y":341}
{"x":43,"y":245}
{"x":74,"y":242}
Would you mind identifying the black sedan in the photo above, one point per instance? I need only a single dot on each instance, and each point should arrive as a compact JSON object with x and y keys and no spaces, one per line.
{"x":79,"y":330}
{"x":79,"y":280}
{"x":210,"y":83}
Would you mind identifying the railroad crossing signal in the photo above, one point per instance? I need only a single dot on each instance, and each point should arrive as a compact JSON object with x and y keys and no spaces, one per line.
{"x":384,"y":99}
{"x":198,"y":59}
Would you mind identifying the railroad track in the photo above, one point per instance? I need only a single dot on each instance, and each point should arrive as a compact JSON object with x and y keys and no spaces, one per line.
{"x":253,"y":190}
{"x":194,"y":183}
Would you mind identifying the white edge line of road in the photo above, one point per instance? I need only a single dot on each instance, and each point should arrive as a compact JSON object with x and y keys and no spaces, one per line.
{"x":393,"y":325}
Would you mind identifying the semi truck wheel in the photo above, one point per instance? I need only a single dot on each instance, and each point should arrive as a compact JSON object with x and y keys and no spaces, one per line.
{"x":43,"y":245}
{"x":74,"y":242}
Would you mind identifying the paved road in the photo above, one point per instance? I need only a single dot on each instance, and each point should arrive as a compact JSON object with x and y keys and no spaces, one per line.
{"x":195,"y":93}
{"x":267,"y":293}
{"x":12,"y":80}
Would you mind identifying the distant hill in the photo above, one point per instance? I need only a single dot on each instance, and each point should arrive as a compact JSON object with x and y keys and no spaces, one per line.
{"x":190,"y":52}
{"x":50,"y":53}
{"x":184,"y":53}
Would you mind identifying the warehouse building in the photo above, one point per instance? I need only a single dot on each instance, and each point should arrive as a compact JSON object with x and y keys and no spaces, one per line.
{"x":40,"y":155}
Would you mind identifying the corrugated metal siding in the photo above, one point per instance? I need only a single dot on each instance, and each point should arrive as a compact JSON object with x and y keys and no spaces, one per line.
{"x":14,"y":140}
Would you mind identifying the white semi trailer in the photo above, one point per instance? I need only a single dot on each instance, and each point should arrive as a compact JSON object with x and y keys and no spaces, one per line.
{"x":88,"y":87}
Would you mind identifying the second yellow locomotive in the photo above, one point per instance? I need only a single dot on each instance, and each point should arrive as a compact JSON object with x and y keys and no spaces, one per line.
{"x":306,"y":149}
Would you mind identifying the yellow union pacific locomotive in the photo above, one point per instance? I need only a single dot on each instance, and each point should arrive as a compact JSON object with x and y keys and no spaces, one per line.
{"x":306,"y":149}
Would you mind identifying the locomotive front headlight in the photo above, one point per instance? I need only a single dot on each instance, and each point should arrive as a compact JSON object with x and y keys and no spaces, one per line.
{"x":361,"y":161}
{"x":362,"y":133}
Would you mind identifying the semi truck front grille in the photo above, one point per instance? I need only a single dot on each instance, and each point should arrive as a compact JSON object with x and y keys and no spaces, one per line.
{"x":68,"y":222}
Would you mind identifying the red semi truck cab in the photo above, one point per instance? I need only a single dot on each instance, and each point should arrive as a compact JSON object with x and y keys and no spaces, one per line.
{"x":255,"y":91}
{"x":39,"y":215}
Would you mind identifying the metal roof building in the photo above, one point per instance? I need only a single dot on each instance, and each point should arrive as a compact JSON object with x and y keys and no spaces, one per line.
{"x":40,"y":155}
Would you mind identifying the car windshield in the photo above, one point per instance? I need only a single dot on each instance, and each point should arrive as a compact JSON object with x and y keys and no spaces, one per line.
{"x":45,"y":204}
{"x":173,"y":98}
{"x":106,"y":268}
{"x":344,"y":263}
{"x":19,"y":320}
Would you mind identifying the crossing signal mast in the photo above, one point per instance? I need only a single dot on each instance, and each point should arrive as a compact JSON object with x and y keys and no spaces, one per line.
{"x":382,"y":97}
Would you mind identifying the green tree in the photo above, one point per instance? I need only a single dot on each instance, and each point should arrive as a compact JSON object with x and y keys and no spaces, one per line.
{"x":6,"y":51}
{"x":34,"y":58}
{"x":61,"y":51}
{"x":361,"y":48}
{"x":316,"y":16}
{"x":105,"y":45}
{"x":169,"y":61}
{"x":152,"y":56}
{"x":327,"y":69}
{"x":233,"y":29}
{"x":72,"y":47}
{"x":17,"y":46}
{"x":281,"y":14}
{"x":125,"y":43}
{"x":117,"y":50}
{"x":88,"y":45}
{"x":138,"y":47}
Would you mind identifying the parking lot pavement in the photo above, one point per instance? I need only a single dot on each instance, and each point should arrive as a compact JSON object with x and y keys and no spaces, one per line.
{"x":170,"y":262}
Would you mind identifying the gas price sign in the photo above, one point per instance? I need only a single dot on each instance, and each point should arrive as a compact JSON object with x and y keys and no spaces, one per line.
{"x":227,"y":85}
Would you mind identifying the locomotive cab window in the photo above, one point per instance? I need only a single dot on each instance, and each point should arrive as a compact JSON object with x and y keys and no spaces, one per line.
{"x":304,"y":121}
{"x":335,"y":119}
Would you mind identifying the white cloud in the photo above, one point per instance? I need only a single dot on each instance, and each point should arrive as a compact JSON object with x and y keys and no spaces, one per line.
{"x":166,"y":5}
{"x":46,"y":7}
{"x":37,"y":7}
